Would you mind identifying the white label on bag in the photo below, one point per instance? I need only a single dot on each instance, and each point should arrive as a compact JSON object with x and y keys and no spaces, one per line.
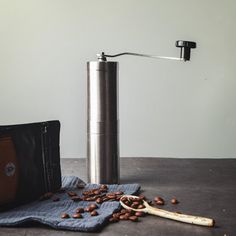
{"x":10,"y":169}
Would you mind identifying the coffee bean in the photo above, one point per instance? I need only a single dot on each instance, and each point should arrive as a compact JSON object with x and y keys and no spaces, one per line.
{"x":65,"y":216}
{"x":113,"y":220}
{"x":123,"y":217}
{"x":127,"y":214}
{"x":159,"y":202}
{"x":76,"y":198}
{"x":131,"y":199}
{"x":131,"y":212}
{"x":116,"y":215}
{"x":77,"y":216}
{"x":94,"y":206}
{"x":94,"y":213}
{"x":119,"y":193}
{"x":89,"y":199}
{"x":127,"y":203}
{"x":133,"y":218}
{"x":139,"y":213}
{"x":141,"y":206}
{"x":124,"y":199}
{"x":56,"y":199}
{"x":174,"y":201}
{"x":103,"y":190}
{"x":87,"y":209}
{"x":141,"y":197}
{"x":71,"y":194}
{"x":97,"y":192}
{"x":99,"y":200}
{"x":80,"y":185}
{"x":111,"y":196}
{"x":92,"y":198}
{"x":136,"y":203}
{"x":104,"y":199}
{"x":91,"y":209}
{"x":46,"y":196}
{"x":95,"y":198}
{"x":103,"y":186}
{"x":85,"y":193}
{"x":123,"y":211}
{"x":80,"y":210}
{"x":118,"y":198}
{"x":135,"y":206}
{"x":140,"y":201}
{"x":158,"y":199}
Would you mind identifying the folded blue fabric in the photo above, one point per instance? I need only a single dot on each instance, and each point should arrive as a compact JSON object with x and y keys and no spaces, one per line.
{"x":49,"y":213}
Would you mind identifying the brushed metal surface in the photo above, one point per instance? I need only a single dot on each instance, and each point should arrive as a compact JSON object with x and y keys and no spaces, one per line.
{"x":102,"y":123}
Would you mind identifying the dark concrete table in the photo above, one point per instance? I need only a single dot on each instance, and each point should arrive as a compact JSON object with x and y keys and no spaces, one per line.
{"x":203,"y":187}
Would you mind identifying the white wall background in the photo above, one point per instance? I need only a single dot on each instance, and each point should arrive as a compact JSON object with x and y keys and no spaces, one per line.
{"x":167,"y":109}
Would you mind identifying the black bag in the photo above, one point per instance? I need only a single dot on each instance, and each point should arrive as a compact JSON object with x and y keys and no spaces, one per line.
{"x":29,"y":162}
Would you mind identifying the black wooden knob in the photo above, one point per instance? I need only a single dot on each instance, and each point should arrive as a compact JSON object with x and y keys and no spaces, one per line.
{"x":185,"y":48}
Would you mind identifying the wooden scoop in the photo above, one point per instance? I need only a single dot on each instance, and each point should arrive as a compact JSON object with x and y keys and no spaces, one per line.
{"x":196,"y":220}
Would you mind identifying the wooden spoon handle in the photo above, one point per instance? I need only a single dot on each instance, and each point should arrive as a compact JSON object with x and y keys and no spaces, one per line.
{"x":197,"y":220}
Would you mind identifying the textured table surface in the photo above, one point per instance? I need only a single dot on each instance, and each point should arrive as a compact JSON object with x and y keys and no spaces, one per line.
{"x":203,"y":187}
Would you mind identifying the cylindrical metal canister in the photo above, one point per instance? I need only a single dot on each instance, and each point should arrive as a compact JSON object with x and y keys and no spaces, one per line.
{"x":102,"y":123}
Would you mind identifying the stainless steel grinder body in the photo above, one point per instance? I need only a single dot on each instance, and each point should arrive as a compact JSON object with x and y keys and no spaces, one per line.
{"x":102,"y":123}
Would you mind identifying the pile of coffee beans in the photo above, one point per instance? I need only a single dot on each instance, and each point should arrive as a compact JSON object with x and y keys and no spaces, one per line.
{"x":100,"y":195}
{"x":129,"y":214}
{"x":135,"y":203}
{"x":79,"y":211}
{"x":126,"y":214}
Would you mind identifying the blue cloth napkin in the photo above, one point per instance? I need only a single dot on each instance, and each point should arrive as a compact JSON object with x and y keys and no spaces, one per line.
{"x":49,"y":213}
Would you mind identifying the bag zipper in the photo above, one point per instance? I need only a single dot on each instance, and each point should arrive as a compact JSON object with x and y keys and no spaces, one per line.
{"x":45,"y":158}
